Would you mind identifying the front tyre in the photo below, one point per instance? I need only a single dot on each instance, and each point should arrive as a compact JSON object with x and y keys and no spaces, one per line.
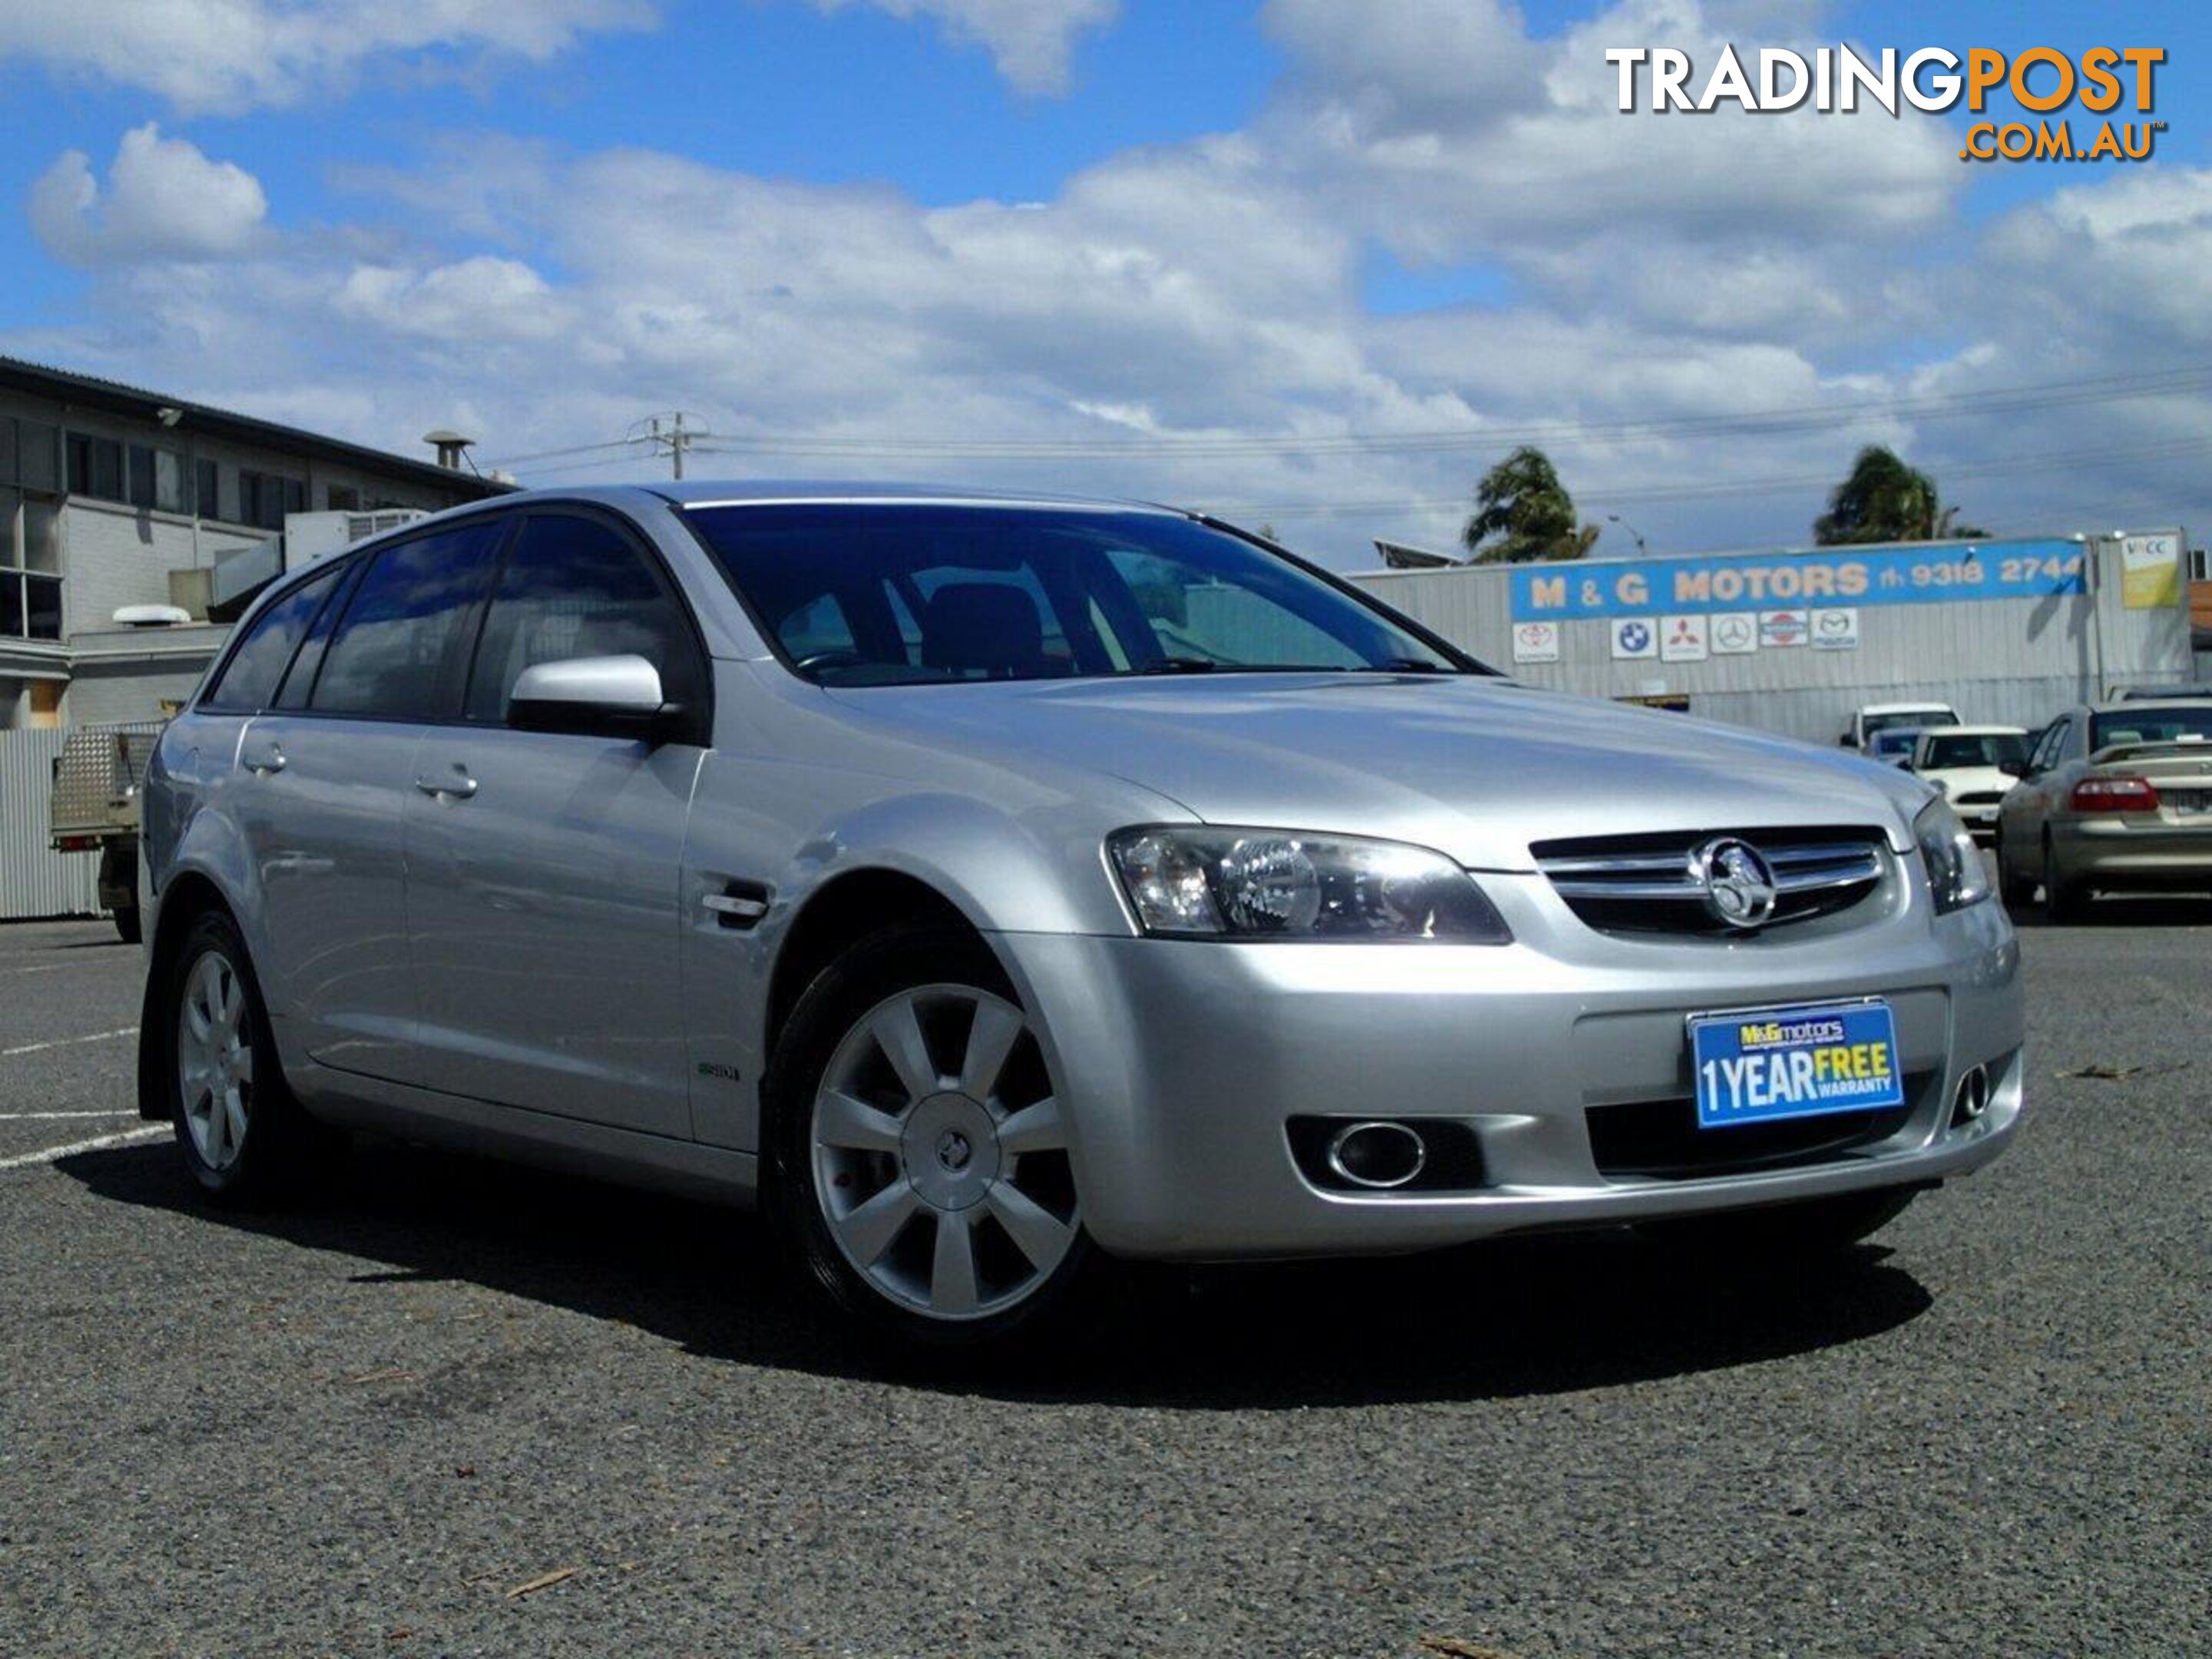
{"x":242,"y":1136}
{"x":1785,"y":1232}
{"x":918,"y":1159}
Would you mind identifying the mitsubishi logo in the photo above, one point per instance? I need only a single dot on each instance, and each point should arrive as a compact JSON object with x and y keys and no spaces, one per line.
{"x":1740,"y":889}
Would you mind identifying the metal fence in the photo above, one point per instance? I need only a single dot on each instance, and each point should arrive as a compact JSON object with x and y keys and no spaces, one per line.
{"x":34,"y":879}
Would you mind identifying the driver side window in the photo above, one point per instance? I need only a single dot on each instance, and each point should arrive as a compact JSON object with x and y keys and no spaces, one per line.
{"x":573,"y":588}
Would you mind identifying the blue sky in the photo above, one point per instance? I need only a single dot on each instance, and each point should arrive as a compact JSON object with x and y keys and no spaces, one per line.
{"x":1161,"y":237}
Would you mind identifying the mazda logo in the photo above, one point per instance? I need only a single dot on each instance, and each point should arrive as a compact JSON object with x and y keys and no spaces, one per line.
{"x":1739,"y":884}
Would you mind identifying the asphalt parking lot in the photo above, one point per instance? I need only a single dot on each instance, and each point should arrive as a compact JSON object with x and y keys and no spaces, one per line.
{"x":451,"y":1408}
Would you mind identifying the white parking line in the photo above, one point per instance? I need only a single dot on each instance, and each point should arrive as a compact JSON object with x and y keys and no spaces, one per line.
{"x":99,"y":1143}
{"x":27,"y":1117}
{"x":53,"y":967}
{"x":65,"y":1042}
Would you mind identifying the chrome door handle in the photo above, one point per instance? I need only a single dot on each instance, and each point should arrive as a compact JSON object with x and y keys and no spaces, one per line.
{"x":261,"y":765}
{"x":460,"y":786}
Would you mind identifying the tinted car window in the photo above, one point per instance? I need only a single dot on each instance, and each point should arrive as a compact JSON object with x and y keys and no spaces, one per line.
{"x":250,"y":678}
{"x":939,"y":593}
{"x":385,"y":657}
{"x":2152,"y":723}
{"x":575,"y":587}
{"x":1980,"y":749}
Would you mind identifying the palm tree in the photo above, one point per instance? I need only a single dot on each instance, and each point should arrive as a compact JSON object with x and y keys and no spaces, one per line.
{"x":1884,"y":500}
{"x":1523,"y":512}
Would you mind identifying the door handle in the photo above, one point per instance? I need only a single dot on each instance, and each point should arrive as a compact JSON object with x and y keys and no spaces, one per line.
{"x":460,"y":786}
{"x":261,"y":765}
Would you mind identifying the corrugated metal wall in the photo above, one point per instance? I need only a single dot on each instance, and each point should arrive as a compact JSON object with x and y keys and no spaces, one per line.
{"x":2016,"y":662}
{"x":34,"y":879}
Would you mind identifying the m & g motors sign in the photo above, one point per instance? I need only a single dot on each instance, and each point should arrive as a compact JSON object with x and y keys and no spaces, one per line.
{"x":1938,"y":573}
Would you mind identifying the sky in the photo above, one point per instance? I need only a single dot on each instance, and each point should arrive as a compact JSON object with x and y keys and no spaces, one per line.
{"x":1314,"y":264}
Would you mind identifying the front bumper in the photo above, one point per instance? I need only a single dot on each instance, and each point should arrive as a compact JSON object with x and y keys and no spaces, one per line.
{"x":1181,"y":1064}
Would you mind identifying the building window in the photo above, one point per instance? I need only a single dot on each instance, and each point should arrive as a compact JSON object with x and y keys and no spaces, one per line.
{"x":344,"y":498}
{"x":157,"y":479}
{"x":95,"y":467}
{"x":264,"y":499}
{"x":30,"y":568}
{"x":31,"y":462}
{"x":207,"y":489}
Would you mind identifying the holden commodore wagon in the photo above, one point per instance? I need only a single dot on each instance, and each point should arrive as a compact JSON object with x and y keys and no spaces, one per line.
{"x":989,"y":886}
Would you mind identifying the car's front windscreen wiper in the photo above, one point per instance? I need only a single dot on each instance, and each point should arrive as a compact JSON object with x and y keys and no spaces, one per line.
{"x":1175,"y":665}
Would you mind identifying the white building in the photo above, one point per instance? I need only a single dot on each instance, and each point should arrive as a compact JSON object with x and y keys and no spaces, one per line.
{"x":112,"y":496}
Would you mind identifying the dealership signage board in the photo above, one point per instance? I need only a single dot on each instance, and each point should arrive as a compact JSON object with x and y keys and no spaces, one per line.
{"x":2150,"y":571}
{"x":1536,"y":641}
{"x":1682,"y":639}
{"x":1635,"y":638}
{"x":1835,"y":630}
{"x":1735,"y":633}
{"x":1777,"y":629}
{"x":1940,"y":573}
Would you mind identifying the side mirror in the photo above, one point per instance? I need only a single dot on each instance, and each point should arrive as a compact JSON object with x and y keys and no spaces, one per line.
{"x":1844,"y":742}
{"x":593,"y":696}
{"x":2015,"y":769}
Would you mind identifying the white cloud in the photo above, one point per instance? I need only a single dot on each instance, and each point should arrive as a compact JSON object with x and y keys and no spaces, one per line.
{"x":165,"y":199}
{"x":225,"y":55}
{"x":1030,"y":40}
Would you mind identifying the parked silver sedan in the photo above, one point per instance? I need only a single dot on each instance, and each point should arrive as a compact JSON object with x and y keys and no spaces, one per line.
{"x":991,"y":885}
{"x":2115,"y":797}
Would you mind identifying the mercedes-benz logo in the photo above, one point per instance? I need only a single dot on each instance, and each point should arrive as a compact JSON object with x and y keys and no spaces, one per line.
{"x":1739,"y":884}
{"x":953,"y":1151}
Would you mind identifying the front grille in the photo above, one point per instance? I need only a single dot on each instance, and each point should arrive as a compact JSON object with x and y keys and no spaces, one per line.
{"x":1978,"y":798}
{"x":1651,"y":884}
{"x":1660,"y":1139}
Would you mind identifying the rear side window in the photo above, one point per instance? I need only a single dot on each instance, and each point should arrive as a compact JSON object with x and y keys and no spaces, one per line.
{"x":404,"y":618}
{"x":576,"y":587}
{"x":250,"y":678}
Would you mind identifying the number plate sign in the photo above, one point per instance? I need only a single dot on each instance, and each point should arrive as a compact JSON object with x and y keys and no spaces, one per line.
{"x":1764,"y":1065}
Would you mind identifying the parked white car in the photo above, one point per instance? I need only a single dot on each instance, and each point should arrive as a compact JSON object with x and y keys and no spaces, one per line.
{"x":1881,"y":716}
{"x":1967,"y":763}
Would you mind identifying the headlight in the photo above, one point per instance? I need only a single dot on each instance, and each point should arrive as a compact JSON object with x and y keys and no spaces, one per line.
{"x":1198,"y":882}
{"x":1956,"y":875}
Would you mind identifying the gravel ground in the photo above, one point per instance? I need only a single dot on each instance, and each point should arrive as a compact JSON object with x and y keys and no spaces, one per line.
{"x":369,"y":1425}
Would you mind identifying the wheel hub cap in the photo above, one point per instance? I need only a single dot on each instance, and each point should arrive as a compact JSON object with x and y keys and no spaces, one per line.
{"x":949,"y":1150}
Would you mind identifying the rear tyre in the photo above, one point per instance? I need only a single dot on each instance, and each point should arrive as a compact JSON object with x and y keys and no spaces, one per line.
{"x":917,"y":1159}
{"x":2065,"y":900}
{"x":241,"y":1134}
{"x":1784,"y":1233}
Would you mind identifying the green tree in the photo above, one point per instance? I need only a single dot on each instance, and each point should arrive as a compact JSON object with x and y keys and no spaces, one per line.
{"x":1523,"y":512}
{"x":1884,"y":500}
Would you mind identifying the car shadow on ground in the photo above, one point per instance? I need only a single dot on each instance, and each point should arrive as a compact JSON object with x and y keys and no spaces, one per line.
{"x":1509,"y":1318}
{"x":2121,"y":910}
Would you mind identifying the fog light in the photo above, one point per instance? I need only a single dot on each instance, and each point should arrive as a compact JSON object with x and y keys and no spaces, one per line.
{"x":1377,"y":1155}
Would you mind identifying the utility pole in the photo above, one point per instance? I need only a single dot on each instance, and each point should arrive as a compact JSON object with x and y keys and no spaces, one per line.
{"x":674,"y":432}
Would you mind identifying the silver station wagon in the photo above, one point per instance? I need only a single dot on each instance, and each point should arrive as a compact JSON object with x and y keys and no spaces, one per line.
{"x":994,"y":885}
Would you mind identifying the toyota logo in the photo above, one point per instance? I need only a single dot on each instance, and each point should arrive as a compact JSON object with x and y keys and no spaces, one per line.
{"x":1739,"y":884}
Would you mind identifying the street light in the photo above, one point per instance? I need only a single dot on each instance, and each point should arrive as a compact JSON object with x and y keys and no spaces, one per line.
{"x":1642,"y":551}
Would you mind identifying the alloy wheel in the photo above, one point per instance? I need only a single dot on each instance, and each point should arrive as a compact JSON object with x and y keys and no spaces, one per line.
{"x":940,"y":1156}
{"x":214,"y":1059}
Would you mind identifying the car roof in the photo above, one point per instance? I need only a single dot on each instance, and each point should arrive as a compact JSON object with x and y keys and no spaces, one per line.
{"x":2148,"y":708}
{"x":750,"y":492}
{"x":1907,"y":708}
{"x":1973,"y":731}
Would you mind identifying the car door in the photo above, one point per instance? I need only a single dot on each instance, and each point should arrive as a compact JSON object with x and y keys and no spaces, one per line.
{"x":545,"y":866}
{"x":327,"y":772}
{"x":2026,"y":808}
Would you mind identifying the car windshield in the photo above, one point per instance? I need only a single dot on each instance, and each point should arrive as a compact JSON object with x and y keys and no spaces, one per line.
{"x":1974,"y":749}
{"x":1897,"y":741}
{"x":1909,"y":717}
{"x":2152,"y":723}
{"x":890,"y":594}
